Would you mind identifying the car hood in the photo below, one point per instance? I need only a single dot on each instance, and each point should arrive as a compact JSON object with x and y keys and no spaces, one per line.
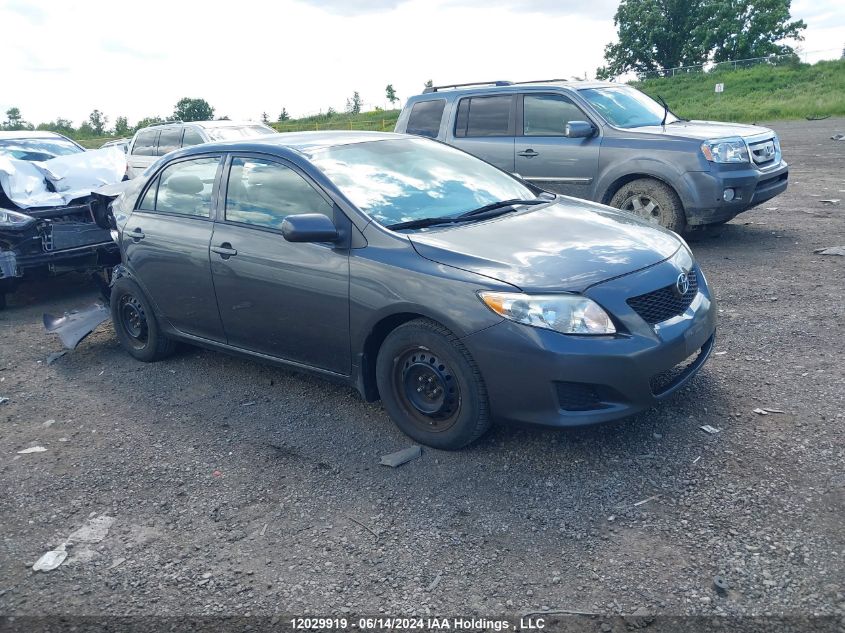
{"x":704,"y":130}
{"x":568,"y":245}
{"x":55,"y":182}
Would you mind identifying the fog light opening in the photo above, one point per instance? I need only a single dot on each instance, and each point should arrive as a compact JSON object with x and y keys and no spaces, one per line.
{"x":728,"y":194}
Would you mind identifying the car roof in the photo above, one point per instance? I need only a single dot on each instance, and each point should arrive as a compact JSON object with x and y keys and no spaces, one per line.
{"x":503,"y":87}
{"x":300,"y":142}
{"x":17,"y":134}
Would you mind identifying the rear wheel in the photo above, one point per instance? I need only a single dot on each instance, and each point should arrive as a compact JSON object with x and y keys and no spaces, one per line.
{"x":135,"y":324}
{"x":431,"y":387}
{"x":651,"y":200}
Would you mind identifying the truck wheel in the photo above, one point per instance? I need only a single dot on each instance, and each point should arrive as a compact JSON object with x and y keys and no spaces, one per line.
{"x":431,"y":387}
{"x":652,"y":200}
{"x":135,"y":324}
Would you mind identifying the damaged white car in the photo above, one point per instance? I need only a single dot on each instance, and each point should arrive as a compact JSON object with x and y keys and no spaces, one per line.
{"x":50,"y":222}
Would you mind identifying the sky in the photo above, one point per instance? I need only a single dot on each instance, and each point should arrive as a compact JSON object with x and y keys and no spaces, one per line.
{"x":65,"y":58}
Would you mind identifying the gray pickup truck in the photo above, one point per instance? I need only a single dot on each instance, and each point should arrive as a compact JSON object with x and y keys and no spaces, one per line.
{"x":609,"y":143}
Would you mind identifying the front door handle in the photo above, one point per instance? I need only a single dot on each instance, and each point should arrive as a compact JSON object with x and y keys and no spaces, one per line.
{"x":528,"y":153}
{"x":137,"y":234}
{"x":225,"y":250}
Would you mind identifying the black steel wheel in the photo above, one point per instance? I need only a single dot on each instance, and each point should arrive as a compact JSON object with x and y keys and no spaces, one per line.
{"x":135,"y":324}
{"x":430,"y":385}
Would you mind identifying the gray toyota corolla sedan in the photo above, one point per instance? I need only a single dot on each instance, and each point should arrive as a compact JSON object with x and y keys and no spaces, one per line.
{"x":453,"y":291}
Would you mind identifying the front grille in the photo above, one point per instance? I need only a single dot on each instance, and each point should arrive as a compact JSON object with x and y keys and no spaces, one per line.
{"x":664,"y":303}
{"x":763,"y":153}
{"x":577,"y":396}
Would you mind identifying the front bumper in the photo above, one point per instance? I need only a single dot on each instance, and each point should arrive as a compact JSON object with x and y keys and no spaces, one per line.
{"x":542,"y":377}
{"x":752,"y":187}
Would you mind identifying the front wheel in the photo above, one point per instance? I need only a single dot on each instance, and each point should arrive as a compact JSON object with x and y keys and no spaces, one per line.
{"x":652,"y":200}
{"x":431,"y":387}
{"x":135,"y":324}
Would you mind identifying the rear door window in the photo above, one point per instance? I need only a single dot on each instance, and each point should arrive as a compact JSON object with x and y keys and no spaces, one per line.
{"x":145,"y":143}
{"x":191,"y":137}
{"x":170,"y":140}
{"x":485,"y":116}
{"x":425,"y":118}
{"x":548,"y":114}
{"x":185,"y":187}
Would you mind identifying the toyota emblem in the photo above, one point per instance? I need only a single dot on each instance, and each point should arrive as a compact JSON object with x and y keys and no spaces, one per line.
{"x":682,"y":284}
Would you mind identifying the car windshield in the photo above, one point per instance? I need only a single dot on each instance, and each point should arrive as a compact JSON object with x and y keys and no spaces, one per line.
{"x":37,"y":149}
{"x":235,"y":132}
{"x":626,"y":107}
{"x":400,"y":180}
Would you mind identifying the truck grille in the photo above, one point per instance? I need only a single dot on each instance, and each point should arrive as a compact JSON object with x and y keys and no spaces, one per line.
{"x":763,"y":152}
{"x":662,"y":304}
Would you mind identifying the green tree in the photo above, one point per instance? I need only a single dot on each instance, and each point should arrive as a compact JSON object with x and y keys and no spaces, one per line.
{"x":353,"y":105}
{"x":390,"y":93}
{"x":264,"y":118}
{"x":121,"y":126}
{"x":14,"y":121}
{"x":60,"y":126}
{"x":86,"y":130}
{"x":284,"y":116}
{"x":655,"y":35}
{"x":188,"y":109}
{"x":98,"y":121}
{"x":429,"y":83}
{"x":743,"y":29}
{"x":146,"y":122}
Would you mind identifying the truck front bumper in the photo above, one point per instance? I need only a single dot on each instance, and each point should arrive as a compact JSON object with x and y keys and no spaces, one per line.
{"x":750,"y":187}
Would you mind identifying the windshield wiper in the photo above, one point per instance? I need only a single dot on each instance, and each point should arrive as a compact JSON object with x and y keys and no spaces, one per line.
{"x":422,"y":223}
{"x":499,"y":205}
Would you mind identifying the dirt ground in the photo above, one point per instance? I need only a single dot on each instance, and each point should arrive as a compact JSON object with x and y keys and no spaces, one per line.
{"x":238,"y":488}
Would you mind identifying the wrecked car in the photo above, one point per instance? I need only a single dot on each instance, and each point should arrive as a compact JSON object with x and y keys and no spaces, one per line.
{"x":48,"y":214}
{"x":454,"y":292}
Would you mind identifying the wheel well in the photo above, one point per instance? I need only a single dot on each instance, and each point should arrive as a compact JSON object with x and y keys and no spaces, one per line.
{"x":617,"y":184}
{"x":369,"y":388}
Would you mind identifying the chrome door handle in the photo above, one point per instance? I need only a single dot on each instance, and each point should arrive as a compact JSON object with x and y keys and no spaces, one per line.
{"x":225,"y":250}
{"x":137,"y":235}
{"x":528,"y":153}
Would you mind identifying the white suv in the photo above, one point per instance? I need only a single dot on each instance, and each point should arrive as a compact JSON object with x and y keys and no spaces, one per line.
{"x":157,"y":140}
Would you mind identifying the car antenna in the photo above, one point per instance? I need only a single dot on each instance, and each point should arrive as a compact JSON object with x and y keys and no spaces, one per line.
{"x":665,"y":110}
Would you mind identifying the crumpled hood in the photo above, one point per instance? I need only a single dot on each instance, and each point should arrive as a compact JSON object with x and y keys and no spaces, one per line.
{"x":55,"y":182}
{"x":704,"y":130}
{"x":569,"y":245}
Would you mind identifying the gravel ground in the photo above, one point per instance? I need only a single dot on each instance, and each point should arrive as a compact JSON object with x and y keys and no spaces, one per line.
{"x":237,"y":488}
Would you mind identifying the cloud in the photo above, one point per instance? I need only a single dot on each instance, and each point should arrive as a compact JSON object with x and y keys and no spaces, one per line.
{"x":119,"y":48}
{"x":31,"y":12}
{"x":355,"y":7}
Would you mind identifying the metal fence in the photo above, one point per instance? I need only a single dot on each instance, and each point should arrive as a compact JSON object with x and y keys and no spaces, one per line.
{"x":769,"y":60}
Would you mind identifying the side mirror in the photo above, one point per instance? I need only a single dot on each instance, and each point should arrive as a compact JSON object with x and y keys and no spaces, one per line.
{"x":579,"y":129}
{"x":309,"y":227}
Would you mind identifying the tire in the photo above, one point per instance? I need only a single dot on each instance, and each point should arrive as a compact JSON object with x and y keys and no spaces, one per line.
{"x":448,"y":409}
{"x":2,"y":300}
{"x":652,"y":200}
{"x":135,"y":323}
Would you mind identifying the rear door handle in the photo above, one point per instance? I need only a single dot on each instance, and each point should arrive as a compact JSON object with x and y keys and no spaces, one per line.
{"x":137,"y":235}
{"x":528,"y":153}
{"x":225,"y":250}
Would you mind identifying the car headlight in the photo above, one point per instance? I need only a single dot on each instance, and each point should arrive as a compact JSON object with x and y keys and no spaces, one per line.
{"x":13,"y":219}
{"x":568,"y":314}
{"x":729,"y":150}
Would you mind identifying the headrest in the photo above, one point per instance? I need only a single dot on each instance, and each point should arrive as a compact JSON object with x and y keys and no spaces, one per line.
{"x":185,"y":184}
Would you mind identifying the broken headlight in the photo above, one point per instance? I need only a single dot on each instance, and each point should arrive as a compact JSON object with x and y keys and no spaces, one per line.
{"x":568,"y":314}
{"x":13,"y":220}
{"x":727,"y":150}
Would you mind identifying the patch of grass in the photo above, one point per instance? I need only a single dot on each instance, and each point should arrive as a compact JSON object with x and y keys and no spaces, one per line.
{"x":376,"y":120}
{"x":761,"y":93}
